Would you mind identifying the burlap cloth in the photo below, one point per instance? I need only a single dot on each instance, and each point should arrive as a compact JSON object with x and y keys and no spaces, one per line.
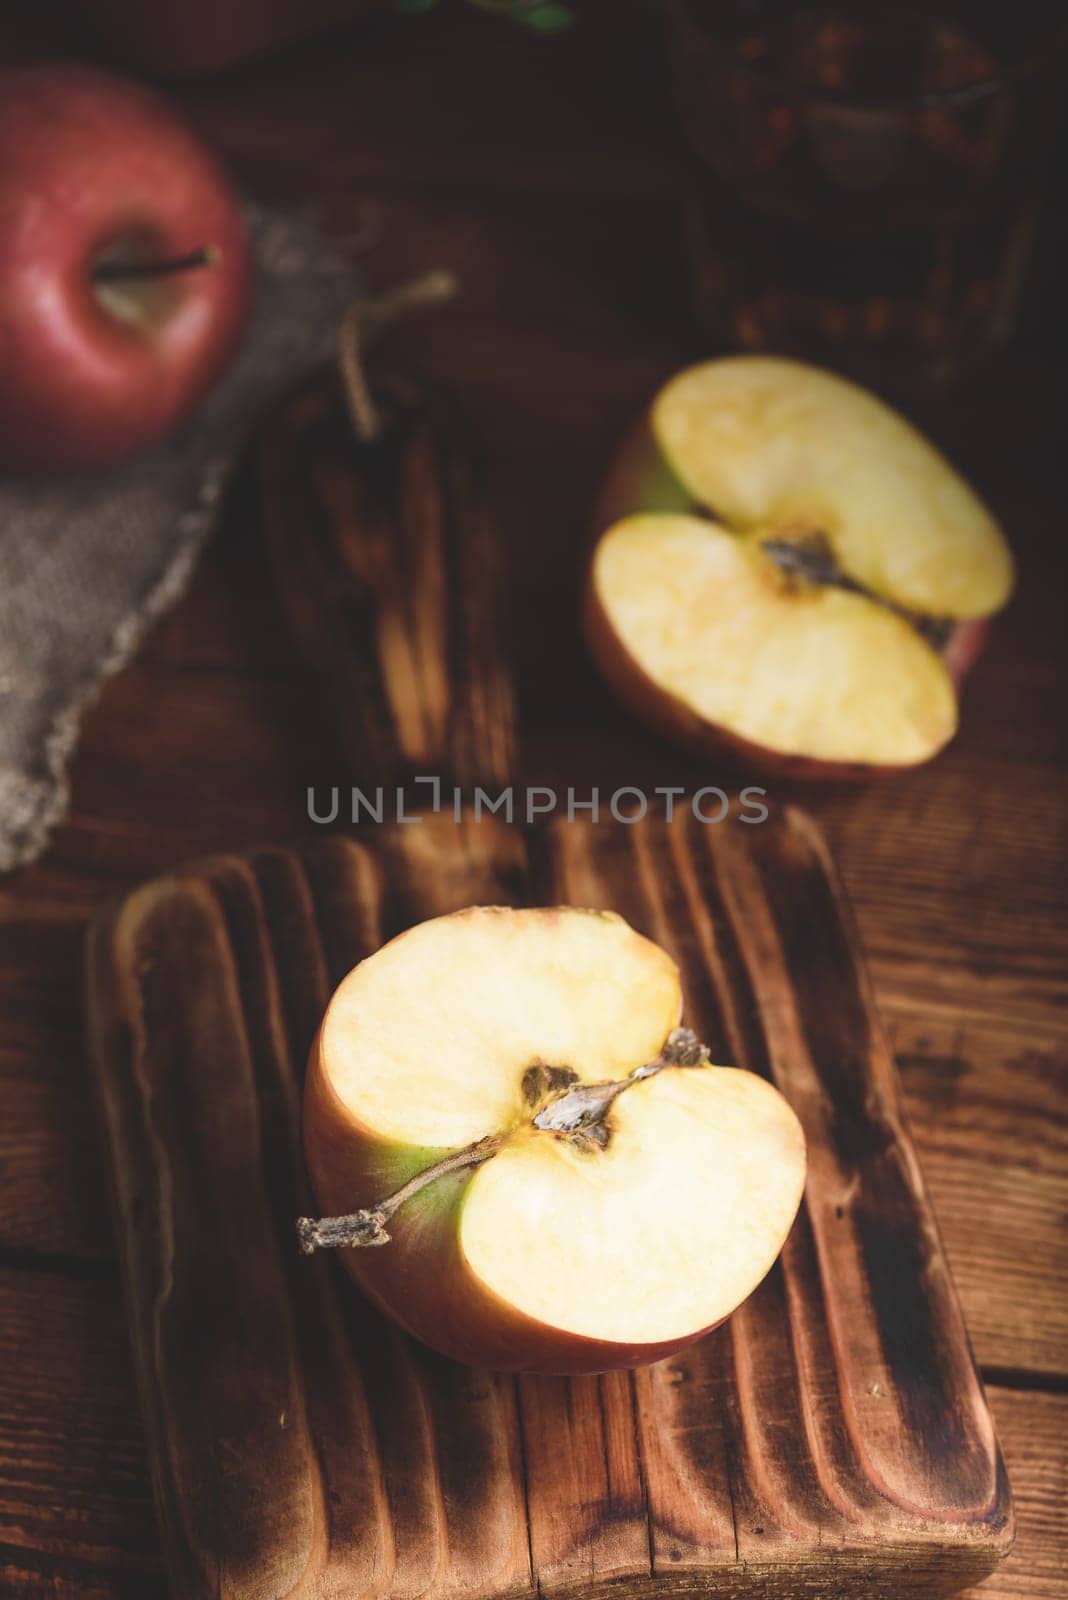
{"x":88,"y":564}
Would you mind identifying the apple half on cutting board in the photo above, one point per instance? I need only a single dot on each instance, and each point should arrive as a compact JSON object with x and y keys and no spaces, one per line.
{"x":786,"y":570}
{"x":526,"y":1162}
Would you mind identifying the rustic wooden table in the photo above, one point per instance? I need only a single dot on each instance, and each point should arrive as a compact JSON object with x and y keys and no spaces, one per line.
{"x":538,"y":171}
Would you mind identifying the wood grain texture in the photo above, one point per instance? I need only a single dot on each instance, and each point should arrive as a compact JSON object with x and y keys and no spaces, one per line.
{"x":986,"y":1101}
{"x":832,"y":1434}
{"x":77,"y":1517}
{"x":100,"y":1514}
{"x":386,"y":569}
{"x":1034,"y":1430}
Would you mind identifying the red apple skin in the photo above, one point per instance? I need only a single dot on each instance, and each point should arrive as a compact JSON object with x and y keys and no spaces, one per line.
{"x":88,"y":162}
{"x":964,"y":647}
{"x":420,"y":1279}
{"x":641,"y":479}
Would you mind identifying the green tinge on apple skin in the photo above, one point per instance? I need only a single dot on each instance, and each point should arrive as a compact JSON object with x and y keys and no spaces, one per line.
{"x":642,"y":480}
{"x":438,"y":1205}
{"x":659,"y":488}
{"x":394,"y":1165}
{"x":419,"y":1279}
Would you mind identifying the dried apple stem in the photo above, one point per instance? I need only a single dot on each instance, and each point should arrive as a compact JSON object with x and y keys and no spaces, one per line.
{"x":578,"y":1112}
{"x":120,"y":271}
{"x":369,"y":1227}
{"x":364,"y":321}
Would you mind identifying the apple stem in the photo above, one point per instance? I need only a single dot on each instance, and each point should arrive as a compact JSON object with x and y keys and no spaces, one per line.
{"x":579,"y":1113}
{"x":118,"y":271}
{"x":364,"y":321}
{"x":368,"y":1228}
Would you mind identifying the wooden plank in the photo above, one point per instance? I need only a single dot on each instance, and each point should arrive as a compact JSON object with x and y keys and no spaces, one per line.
{"x":833,"y":1432}
{"x":1034,"y":1430}
{"x":53,"y":1202}
{"x":987,"y":1107}
{"x":29,"y":1575}
{"x":52,"y":1187}
{"x":72,"y":1462}
{"x":960,"y":881}
{"x":426,"y":139}
{"x":76,"y":1522}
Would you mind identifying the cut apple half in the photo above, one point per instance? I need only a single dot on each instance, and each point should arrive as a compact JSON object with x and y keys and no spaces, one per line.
{"x":536,"y":1167}
{"x":791,"y":666}
{"x":785,"y":565}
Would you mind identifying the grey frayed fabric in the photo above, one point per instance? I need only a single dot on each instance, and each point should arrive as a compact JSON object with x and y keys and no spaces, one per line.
{"x":88,"y":563}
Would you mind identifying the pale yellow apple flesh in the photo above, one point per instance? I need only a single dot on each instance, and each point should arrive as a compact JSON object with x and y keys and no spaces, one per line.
{"x":778,"y":445}
{"x":791,"y":666}
{"x":428,"y":1039}
{"x":560,"y":1250}
{"x":694,"y":620}
{"x":661,"y":1234}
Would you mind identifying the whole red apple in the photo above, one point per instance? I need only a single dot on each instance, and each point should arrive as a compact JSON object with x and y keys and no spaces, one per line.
{"x":124,"y":268}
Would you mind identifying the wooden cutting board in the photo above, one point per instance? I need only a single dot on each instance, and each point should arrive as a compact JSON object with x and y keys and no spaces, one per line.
{"x":831,"y":1440}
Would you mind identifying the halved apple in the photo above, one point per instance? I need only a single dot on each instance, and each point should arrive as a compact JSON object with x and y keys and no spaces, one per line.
{"x":549,"y":1172}
{"x":787,"y":567}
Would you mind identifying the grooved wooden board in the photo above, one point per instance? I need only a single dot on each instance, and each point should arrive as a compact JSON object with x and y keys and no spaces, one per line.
{"x":830,"y":1440}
